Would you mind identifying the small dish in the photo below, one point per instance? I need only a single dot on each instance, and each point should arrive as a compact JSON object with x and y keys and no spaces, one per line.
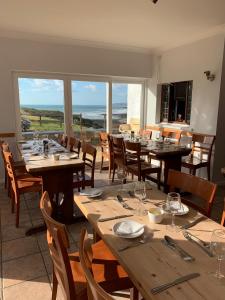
{"x":155,"y":215}
{"x":183,"y":210}
{"x":129,"y":224}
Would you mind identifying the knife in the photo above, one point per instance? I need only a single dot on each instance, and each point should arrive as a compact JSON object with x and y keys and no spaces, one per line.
{"x":197,"y":241}
{"x":179,"y":280}
{"x":114,"y":218}
{"x":172,"y":244}
{"x":186,"y":226}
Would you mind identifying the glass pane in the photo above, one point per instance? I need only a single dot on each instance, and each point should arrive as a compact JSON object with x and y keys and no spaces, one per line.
{"x":126,"y":104}
{"x":41,"y":104}
{"x":89,"y":109}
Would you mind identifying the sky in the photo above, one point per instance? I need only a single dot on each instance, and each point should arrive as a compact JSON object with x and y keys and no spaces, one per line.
{"x":50,"y":92}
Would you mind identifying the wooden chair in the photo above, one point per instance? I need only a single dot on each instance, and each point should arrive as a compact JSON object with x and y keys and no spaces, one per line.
{"x":21,"y":184}
{"x":63,"y":140}
{"x":202,"y":190}
{"x":19,"y":166}
{"x":89,"y":158}
{"x":74,"y":145}
{"x":118,"y":153}
{"x":106,"y":153}
{"x":202,"y":145}
{"x":67,"y":270}
{"x":146,"y":133}
{"x":171,"y":134}
{"x":95,"y":291}
{"x":141,"y":168}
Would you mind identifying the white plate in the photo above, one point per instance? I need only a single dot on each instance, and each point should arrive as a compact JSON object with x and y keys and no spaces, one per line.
{"x":128,"y":236}
{"x":183,"y":211}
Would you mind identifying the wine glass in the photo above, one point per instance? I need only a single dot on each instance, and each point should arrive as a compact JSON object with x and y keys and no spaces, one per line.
{"x":140,"y":193}
{"x":217,"y":246}
{"x":173,"y":205}
{"x":121,"y":174}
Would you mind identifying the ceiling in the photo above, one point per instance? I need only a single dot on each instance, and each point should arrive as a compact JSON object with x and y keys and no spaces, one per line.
{"x":134,"y":24}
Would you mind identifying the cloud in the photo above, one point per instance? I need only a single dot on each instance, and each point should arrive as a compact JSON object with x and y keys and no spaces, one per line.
{"x":91,"y":87}
{"x":36,"y":84}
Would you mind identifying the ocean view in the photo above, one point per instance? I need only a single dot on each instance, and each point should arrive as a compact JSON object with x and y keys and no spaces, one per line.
{"x":94,"y":112}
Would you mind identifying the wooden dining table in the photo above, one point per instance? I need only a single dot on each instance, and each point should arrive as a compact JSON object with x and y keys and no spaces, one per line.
{"x":57,"y":176}
{"x":152,"y":263}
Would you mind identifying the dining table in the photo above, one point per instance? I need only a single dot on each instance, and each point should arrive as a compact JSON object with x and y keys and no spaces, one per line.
{"x":148,"y":261}
{"x":57,"y":175}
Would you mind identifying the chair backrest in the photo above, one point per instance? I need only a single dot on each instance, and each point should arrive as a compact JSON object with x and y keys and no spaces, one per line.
{"x":89,"y":157}
{"x":199,"y":187}
{"x":97,"y":292}
{"x":146,"y":133}
{"x":9,"y":165}
{"x":64,"y":140}
{"x":156,"y":131}
{"x":46,"y":209}
{"x":118,"y":150}
{"x":104,"y":141}
{"x":202,"y":144}
{"x":172,"y":134}
{"x":74,"y":145}
{"x":124,"y":128}
{"x":133,"y":152}
{"x":61,"y":264}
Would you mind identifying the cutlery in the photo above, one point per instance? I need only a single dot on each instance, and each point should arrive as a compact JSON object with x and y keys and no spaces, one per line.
{"x":121,"y":201}
{"x":168,"y":241}
{"x":194,"y":239}
{"x":114,"y":218}
{"x":186,"y":226}
{"x":179,"y":280}
{"x":140,"y":242}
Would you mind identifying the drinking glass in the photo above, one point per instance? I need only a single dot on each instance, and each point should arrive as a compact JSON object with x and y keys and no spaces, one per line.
{"x":218,"y":248}
{"x":173,"y":205}
{"x":140,"y":193}
{"x":121,"y":174}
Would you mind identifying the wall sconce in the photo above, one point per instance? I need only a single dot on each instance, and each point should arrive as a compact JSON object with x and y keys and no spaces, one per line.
{"x":209,"y":75}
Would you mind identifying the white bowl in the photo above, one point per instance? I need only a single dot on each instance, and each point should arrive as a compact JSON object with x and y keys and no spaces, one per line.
{"x":155,"y":215}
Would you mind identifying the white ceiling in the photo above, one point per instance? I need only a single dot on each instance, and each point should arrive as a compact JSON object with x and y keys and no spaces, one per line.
{"x":134,"y":24}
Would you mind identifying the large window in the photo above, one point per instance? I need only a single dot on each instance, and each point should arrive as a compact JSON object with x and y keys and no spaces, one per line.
{"x":41,"y":104}
{"x":83,"y":105}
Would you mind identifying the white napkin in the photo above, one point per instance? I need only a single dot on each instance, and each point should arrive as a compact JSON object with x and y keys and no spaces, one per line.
{"x":129,"y":227}
{"x":91,"y":192}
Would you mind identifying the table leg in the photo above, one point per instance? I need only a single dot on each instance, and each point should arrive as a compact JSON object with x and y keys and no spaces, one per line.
{"x":170,"y":163}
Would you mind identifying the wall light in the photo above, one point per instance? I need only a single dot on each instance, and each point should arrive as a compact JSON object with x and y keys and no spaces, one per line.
{"x":209,"y":75}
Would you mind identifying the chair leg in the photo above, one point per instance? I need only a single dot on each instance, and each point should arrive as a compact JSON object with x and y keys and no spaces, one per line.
{"x":54,"y":286}
{"x":134,"y":294}
{"x":101,"y":166}
{"x":208,"y":172}
{"x":158,"y":180}
{"x":17,"y":201}
{"x":113,"y":175}
{"x":12,"y":201}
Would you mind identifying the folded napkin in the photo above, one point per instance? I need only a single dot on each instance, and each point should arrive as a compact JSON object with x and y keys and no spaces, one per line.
{"x":92,"y":192}
{"x":129,"y":227}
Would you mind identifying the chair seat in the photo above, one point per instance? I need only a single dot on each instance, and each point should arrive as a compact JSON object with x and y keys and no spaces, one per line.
{"x":106,"y":270}
{"x":145,"y":167}
{"x":27,"y":182}
{"x":193,"y":162}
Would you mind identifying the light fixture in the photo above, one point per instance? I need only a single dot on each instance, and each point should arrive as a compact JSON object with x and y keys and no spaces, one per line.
{"x":154,"y":1}
{"x":209,"y":75}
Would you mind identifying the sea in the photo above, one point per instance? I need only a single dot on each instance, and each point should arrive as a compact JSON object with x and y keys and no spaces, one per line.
{"x":94,"y":112}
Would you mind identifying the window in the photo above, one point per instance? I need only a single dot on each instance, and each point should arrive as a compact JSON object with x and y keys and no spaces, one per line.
{"x":176,"y":102}
{"x":41,"y":104}
{"x":126,"y":105}
{"x":89,"y":101}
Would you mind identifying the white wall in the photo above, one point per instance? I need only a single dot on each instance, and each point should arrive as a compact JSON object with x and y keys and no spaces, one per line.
{"x":24,"y":55}
{"x":189,"y":63}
